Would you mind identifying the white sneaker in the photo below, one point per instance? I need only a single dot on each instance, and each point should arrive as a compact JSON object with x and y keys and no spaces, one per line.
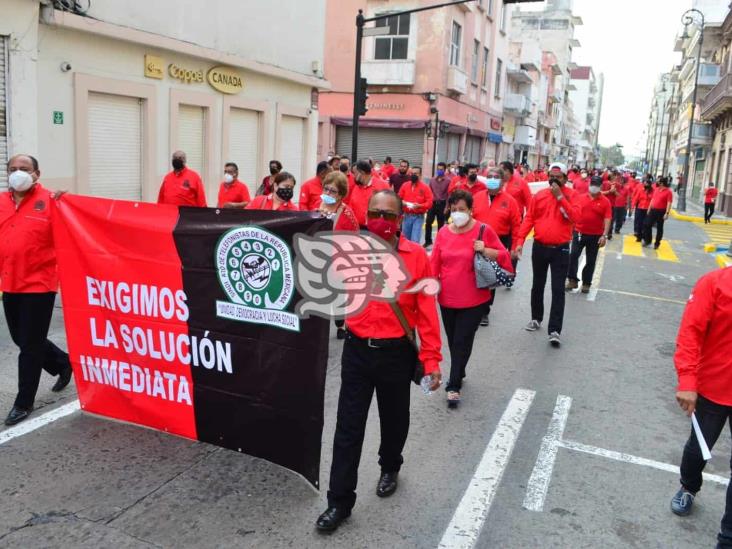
{"x":533,"y":326}
{"x":554,"y":339}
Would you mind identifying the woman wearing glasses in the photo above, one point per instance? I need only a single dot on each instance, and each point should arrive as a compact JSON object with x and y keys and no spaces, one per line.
{"x":461,"y":302}
{"x":280,"y":199}
{"x":335,"y":189}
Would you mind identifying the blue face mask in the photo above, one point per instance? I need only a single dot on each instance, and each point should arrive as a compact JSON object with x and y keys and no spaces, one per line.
{"x":494,"y":184}
{"x":440,"y":173}
{"x":328,"y":200}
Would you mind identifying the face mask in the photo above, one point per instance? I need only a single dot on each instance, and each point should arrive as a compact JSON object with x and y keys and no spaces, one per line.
{"x":494,"y":183}
{"x":273,"y":170}
{"x":594,"y":189}
{"x":328,"y":200}
{"x":414,"y":178}
{"x":20,"y":181}
{"x":285,"y":193}
{"x":343,"y":168}
{"x":460,"y":219}
{"x":228,"y":178}
{"x":382,"y":228}
{"x":178,"y":164}
{"x":583,"y":175}
{"x":473,"y":177}
{"x":403,"y":171}
{"x":440,"y":173}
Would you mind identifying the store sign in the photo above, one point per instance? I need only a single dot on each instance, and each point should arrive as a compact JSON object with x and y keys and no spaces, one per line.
{"x":495,"y":124}
{"x":187,"y":76}
{"x":225,"y":80}
{"x":153,"y":67}
{"x":386,"y":106}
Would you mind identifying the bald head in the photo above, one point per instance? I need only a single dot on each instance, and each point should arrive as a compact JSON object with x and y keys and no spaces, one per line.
{"x":24,"y":162}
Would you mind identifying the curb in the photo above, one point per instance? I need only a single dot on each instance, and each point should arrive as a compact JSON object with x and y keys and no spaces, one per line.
{"x":723,"y":260}
{"x":694,"y":219}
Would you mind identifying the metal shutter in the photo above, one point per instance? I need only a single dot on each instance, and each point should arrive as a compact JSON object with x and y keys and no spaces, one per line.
{"x":3,"y":103}
{"x":244,"y":145}
{"x":191,"y":132}
{"x":378,"y":143}
{"x":472,"y":149}
{"x":292,"y":146}
{"x":448,"y":148}
{"x":115,"y":146}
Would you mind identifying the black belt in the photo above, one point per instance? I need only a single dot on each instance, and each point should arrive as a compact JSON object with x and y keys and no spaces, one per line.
{"x":564,"y":245}
{"x":380,"y":343}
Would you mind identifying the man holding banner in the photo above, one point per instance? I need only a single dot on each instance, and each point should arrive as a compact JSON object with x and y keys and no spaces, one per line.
{"x":29,"y":281}
{"x":379,"y":356}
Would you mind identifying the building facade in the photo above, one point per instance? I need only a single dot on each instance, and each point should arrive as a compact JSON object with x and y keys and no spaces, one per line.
{"x":586,"y":98}
{"x":103,"y":98}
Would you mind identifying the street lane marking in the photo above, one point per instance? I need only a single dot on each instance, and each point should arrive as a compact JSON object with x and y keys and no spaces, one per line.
{"x":598,"y":274}
{"x":627,"y":458}
{"x":542,"y":473}
{"x":467,"y":522}
{"x":631,"y":247}
{"x":666,"y":253}
{"x":631,"y":294}
{"x":33,"y":423}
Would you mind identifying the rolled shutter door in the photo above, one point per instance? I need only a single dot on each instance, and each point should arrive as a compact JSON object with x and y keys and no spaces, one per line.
{"x":453,"y":147}
{"x":292,"y":145}
{"x":3,"y":104}
{"x":378,"y":143}
{"x":115,"y":146}
{"x":191,"y":133}
{"x":472,"y":149}
{"x":244,"y":145}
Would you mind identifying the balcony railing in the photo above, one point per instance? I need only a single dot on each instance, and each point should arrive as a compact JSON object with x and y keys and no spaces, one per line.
{"x":718,"y":100}
{"x":518,"y":104}
{"x":457,"y":80}
{"x":389,"y":72}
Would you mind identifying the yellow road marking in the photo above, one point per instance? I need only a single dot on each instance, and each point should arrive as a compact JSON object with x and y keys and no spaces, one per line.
{"x":631,"y":247}
{"x":723,"y":260}
{"x":655,"y":298}
{"x":666,"y":253}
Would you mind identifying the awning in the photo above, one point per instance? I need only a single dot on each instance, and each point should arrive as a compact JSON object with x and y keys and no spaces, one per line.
{"x":495,"y":137}
{"x":379,"y":123}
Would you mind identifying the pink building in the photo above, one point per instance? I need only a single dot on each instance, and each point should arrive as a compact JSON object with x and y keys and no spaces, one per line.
{"x":449,"y":61}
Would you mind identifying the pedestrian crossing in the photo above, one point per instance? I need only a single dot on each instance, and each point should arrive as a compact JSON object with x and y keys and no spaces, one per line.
{"x":717,"y":234}
{"x":665,"y":252}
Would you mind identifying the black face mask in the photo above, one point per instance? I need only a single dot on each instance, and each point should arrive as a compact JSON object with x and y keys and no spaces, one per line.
{"x":343,"y":168}
{"x":178,"y":164}
{"x":285,"y":193}
{"x":403,"y":171}
{"x":414,"y":178}
{"x":473,"y":177}
{"x":273,"y":170}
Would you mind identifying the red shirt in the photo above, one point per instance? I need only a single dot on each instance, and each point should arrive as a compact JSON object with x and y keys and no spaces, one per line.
{"x":310,"y":194}
{"x":182,"y":189}
{"x":622,"y":193}
{"x":581,"y":186}
{"x":346,"y":220}
{"x":419,"y":194}
{"x":551,"y":219}
{"x":265,"y":202}
{"x":703,"y":359}
{"x":358,"y":198}
{"x":452,"y":262}
{"x":593,"y":213}
{"x":641,"y":198}
{"x":27,"y":255}
{"x":501,"y":212}
{"x":378,"y":320}
{"x":267,"y":184}
{"x":710,"y":195}
{"x":387,"y":170}
{"x":458,"y":181}
{"x":530,"y":178}
{"x":235,"y":192}
{"x":520,"y":191}
{"x":662,"y":198}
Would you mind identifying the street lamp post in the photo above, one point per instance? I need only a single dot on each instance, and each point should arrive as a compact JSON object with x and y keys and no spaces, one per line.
{"x":687,"y":19}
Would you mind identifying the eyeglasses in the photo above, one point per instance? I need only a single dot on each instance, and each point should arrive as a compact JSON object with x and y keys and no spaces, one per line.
{"x":330,"y":190}
{"x":385,"y":214}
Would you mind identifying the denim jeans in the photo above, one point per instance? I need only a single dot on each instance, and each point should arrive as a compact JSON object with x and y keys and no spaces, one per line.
{"x":412,"y":227}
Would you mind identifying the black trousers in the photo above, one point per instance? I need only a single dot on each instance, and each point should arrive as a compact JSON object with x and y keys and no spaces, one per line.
{"x":619,"y":213}
{"x":708,"y":212}
{"x":640,"y":218}
{"x":711,"y":417}
{"x":506,"y":241}
{"x":460,"y":327}
{"x":542,"y":258}
{"x":365,"y":369}
{"x":591,"y":244}
{"x":653,"y":218}
{"x":28,"y":317}
{"x":437,"y":211}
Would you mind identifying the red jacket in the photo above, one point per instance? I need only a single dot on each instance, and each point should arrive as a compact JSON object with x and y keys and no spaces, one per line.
{"x":593,"y":213}
{"x":520,"y":191}
{"x":265,"y":202}
{"x":182,"y":189}
{"x":27,"y":255}
{"x":501,"y":212}
{"x":346,"y":220}
{"x":359,"y":196}
{"x":378,"y":320}
{"x":703,"y":356}
{"x":641,"y":199}
{"x":551,"y":219}
{"x":235,"y":192}
{"x":418,"y":194}
{"x":310,"y":194}
{"x":710,"y":195}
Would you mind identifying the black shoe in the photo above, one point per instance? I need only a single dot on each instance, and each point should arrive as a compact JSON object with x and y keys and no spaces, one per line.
{"x":638,"y":239}
{"x":17,"y":415}
{"x":617,"y":231}
{"x":331,"y":519}
{"x":387,"y":484}
{"x":656,"y":245}
{"x":610,"y":236}
{"x":485,"y":321}
{"x":341,"y":333}
{"x":62,"y":381}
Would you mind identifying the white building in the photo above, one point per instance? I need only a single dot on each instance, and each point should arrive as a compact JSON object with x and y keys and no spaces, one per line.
{"x":586,"y":98}
{"x":103,"y":98}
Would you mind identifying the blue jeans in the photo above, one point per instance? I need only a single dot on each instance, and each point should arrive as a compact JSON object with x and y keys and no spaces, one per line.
{"x":412,"y":227}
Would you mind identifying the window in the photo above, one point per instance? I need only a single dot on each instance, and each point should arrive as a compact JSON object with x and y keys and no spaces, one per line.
{"x":457,"y":36}
{"x":395,"y":44}
{"x":499,"y":68}
{"x":490,"y":8}
{"x":475,"y":60}
{"x":504,"y":13}
{"x":484,"y":74}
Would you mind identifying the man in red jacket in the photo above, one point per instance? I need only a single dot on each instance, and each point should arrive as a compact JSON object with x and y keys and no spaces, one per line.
{"x":704,"y":366}
{"x":417,"y":200}
{"x":710,"y":198}
{"x":365,"y":184}
{"x":552,"y":214}
{"x":313,"y":188}
{"x":182,"y":186}
{"x":517,"y":187}
{"x":29,"y":281}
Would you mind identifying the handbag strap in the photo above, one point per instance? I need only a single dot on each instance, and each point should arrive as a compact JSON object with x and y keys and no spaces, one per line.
{"x":403,"y":321}
{"x":481,"y":231}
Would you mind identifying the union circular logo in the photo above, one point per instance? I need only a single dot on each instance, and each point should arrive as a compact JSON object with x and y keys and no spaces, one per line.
{"x":255,"y":268}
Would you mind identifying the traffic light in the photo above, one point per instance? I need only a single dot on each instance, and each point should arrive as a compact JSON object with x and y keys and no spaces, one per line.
{"x":362,"y":97}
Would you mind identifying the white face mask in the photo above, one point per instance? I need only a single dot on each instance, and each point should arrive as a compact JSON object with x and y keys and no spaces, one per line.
{"x":228,"y":178}
{"x":594,"y":189}
{"x":460,"y":218}
{"x":20,"y":181}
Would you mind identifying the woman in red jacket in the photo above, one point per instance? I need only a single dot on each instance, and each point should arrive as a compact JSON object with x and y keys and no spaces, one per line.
{"x":461,"y":302}
{"x":280,"y":199}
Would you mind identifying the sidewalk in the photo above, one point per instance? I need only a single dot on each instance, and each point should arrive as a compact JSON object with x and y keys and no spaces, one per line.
{"x":695,"y":213}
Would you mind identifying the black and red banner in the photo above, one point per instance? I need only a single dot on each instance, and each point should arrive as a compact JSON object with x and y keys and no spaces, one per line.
{"x":181,"y":319}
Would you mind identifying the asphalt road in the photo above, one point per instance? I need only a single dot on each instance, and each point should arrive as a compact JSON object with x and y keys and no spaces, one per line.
{"x":84,"y":481}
